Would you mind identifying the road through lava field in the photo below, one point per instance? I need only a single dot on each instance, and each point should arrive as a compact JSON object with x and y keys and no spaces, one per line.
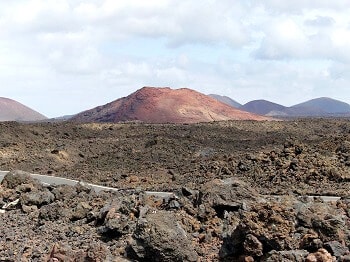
{"x":239,"y":191}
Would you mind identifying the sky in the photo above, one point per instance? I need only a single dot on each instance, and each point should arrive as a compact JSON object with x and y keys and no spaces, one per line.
{"x":61,"y":57}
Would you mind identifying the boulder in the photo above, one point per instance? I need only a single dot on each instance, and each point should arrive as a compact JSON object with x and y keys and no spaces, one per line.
{"x":336,"y":248}
{"x":16,"y":178}
{"x":95,"y":252}
{"x":37,"y":198}
{"x":272,"y":224}
{"x":117,"y":223}
{"x":322,"y":255}
{"x":81,"y":211}
{"x":227,"y":195}
{"x":345,"y":258}
{"x":54,"y":212}
{"x":60,"y":252}
{"x":117,"y":218}
{"x":252,"y":246}
{"x":285,"y":256}
{"x":310,"y":241}
{"x":64,"y":192}
{"x":160,"y":237}
{"x":98,"y":253}
{"x":329,"y":228}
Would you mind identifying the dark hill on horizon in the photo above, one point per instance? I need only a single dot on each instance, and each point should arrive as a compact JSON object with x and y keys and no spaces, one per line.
{"x":165,"y":105}
{"x":227,"y":100}
{"x":11,"y":110}
{"x":318,"y":107}
{"x":261,"y":107}
{"x":323,"y":105}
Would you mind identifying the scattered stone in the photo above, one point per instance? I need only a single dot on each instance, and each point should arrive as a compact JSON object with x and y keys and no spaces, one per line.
{"x":311,"y":242}
{"x":60,"y":253}
{"x":227,"y":195}
{"x":16,"y":178}
{"x":238,"y":204}
{"x":55,"y":151}
{"x":280,"y":158}
{"x":321,"y":255}
{"x":62,"y":192}
{"x":29,"y":209}
{"x":82,"y":187}
{"x":243,"y":166}
{"x":81,"y":211}
{"x":336,"y":248}
{"x":97,"y":253}
{"x":174,"y":204}
{"x":232,"y":245}
{"x":54,"y":212}
{"x":246,"y":259}
{"x":252,"y":246}
{"x":285,"y":256}
{"x":345,"y":258}
{"x":159,"y":237}
{"x":38,"y":198}
{"x":117,"y":223}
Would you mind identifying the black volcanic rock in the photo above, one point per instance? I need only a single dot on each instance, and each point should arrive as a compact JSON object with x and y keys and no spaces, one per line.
{"x":235,"y":191}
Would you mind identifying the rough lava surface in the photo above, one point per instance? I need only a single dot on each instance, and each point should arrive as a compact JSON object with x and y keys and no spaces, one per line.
{"x":239,"y":191}
{"x":165,"y":105}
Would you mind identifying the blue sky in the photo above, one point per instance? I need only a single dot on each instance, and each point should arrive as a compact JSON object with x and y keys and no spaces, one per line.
{"x":64,"y":56}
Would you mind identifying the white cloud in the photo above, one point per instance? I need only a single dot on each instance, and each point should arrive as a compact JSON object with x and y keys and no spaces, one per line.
{"x":320,"y":21}
{"x":318,"y":35}
{"x":298,"y":6}
{"x":283,"y":39}
{"x":96,"y":51}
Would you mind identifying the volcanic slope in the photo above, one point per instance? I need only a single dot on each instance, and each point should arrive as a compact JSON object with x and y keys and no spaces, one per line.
{"x":227,"y":100}
{"x":322,"y":106}
{"x":11,"y":110}
{"x":261,"y":107}
{"x":165,"y":105}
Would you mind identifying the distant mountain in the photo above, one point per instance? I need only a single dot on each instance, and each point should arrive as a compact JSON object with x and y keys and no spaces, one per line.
{"x":165,"y":105}
{"x":61,"y":118}
{"x":225,"y":99}
{"x":262,"y":107}
{"x":11,"y":110}
{"x":317,"y":107}
{"x":322,"y":106}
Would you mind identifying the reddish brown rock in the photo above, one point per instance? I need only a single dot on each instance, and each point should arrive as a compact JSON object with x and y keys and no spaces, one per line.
{"x":321,"y":255}
{"x":252,"y":246}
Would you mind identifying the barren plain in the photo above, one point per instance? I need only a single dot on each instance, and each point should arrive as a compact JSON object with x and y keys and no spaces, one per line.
{"x":240,"y":191}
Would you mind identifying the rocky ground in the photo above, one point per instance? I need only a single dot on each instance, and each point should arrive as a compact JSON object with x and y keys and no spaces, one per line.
{"x":239,"y":187}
